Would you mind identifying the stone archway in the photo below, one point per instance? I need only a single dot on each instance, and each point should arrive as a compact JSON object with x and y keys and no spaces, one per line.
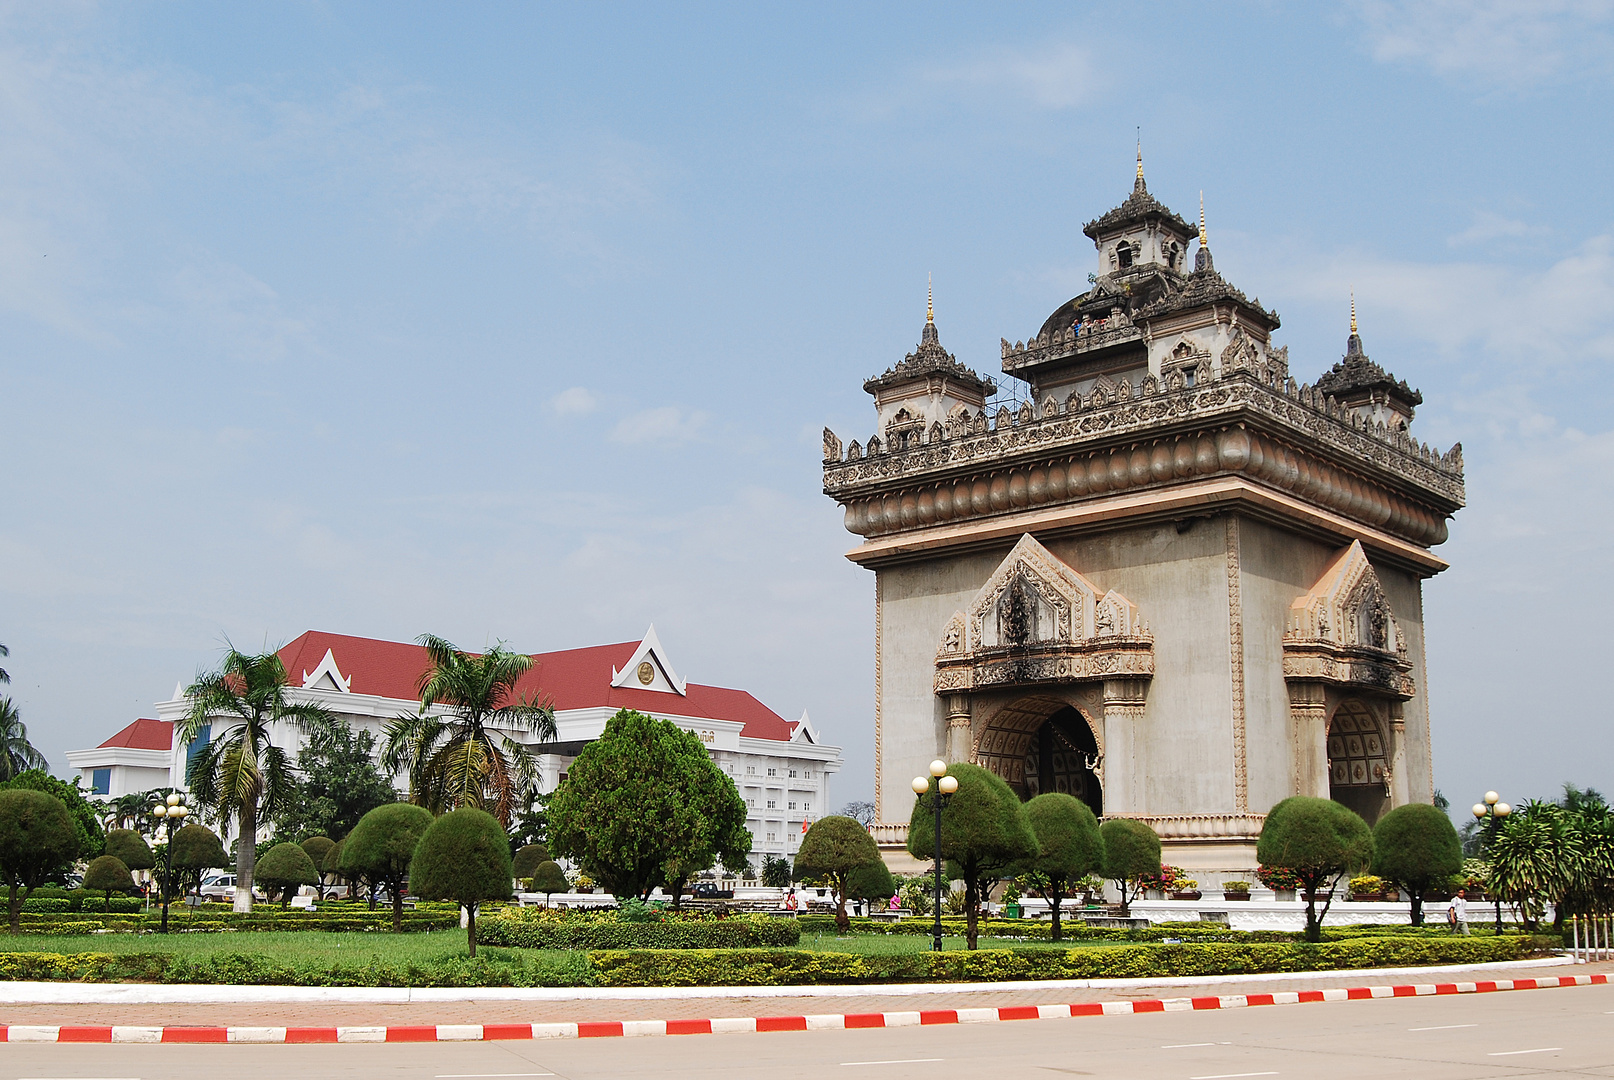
{"x":1044,"y":743}
{"x":1359,"y":754}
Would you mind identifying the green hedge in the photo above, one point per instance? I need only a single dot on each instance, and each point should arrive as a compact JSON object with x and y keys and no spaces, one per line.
{"x":780,"y":967}
{"x":1042,"y":930}
{"x":219,"y":921}
{"x":765,"y":967}
{"x":741,"y":932}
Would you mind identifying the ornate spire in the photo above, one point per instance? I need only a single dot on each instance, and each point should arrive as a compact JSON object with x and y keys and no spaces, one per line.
{"x":1202,"y":258}
{"x":1353,"y":311}
{"x":1353,"y":344}
{"x":1138,"y":184}
{"x":930,"y":301}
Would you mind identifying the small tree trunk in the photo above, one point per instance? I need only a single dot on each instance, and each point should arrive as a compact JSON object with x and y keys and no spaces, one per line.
{"x":14,"y":908}
{"x":397,"y":907}
{"x":972,"y":896}
{"x":470,"y":927}
{"x":1417,"y":906}
{"x":842,"y":923}
{"x":1053,"y":902}
{"x":246,"y":853}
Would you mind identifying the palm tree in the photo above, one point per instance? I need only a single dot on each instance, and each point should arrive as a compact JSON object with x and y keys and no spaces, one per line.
{"x":17,"y":754}
{"x":4,"y":677}
{"x":242,"y":772}
{"x":129,"y":811}
{"x":452,"y":758}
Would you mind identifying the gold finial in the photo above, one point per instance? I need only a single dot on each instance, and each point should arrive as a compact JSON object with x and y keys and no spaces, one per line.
{"x":1140,"y":154}
{"x":930,"y":300}
{"x":1202,"y":219}
{"x":1353,"y":311}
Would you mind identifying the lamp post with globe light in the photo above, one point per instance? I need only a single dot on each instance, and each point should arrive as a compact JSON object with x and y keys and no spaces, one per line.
{"x":168,"y":814}
{"x":945,"y":786}
{"x":1494,"y":810}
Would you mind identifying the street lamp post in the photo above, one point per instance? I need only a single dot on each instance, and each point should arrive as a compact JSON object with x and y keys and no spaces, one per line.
{"x":167,"y":814}
{"x":1494,"y":810}
{"x":945,"y":786}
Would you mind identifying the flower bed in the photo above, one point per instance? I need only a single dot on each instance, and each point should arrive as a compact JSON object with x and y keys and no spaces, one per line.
{"x":606,"y":932}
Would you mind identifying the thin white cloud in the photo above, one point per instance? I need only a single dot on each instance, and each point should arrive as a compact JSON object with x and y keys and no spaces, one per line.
{"x":1058,"y":75}
{"x":576,"y":401}
{"x":667,"y":425}
{"x":1506,"y":43}
{"x":1490,"y":226}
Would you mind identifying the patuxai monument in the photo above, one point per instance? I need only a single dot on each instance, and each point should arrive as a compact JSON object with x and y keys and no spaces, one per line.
{"x":1165,"y":577}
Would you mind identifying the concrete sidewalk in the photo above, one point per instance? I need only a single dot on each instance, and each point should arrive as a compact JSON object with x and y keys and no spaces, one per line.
{"x":582,"y":1005}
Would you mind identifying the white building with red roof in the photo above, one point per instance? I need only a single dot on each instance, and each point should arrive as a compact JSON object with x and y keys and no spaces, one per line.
{"x":780,"y":767}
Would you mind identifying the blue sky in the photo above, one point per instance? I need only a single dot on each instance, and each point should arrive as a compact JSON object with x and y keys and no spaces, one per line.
{"x":516,"y":322}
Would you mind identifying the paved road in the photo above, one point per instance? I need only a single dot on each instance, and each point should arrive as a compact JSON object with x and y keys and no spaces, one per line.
{"x":1566,"y":1032}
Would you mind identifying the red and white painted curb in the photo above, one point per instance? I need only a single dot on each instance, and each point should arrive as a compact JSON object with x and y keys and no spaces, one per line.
{"x":618,"y":1028}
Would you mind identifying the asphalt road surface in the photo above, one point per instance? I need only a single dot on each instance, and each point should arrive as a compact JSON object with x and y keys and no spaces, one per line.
{"x":1564,"y":1032}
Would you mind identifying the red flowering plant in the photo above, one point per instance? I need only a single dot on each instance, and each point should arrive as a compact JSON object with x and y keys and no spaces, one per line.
{"x":1278,"y":878}
{"x":1169,"y":880}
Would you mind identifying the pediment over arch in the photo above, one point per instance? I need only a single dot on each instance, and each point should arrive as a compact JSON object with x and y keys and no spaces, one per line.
{"x":1343,"y":630}
{"x":1036,"y":620}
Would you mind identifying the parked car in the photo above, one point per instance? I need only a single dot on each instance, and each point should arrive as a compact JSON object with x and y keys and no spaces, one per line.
{"x":222,"y":887}
{"x":708,"y":890}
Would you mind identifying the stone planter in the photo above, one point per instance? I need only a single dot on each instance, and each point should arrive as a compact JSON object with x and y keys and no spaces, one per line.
{"x":1283,"y":894}
{"x":1235,"y":895}
{"x":1189,"y":894}
{"x":1367,"y":898}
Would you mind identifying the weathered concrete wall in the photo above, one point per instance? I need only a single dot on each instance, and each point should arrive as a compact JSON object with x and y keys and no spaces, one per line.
{"x":1278,"y":566}
{"x":1405,"y":593}
{"x":915,"y":603}
{"x":1179,"y":581}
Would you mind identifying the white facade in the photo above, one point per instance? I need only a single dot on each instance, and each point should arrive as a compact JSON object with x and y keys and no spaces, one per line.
{"x":784,"y":782}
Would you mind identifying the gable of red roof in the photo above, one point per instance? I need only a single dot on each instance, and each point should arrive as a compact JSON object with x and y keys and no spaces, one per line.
{"x":145,"y":735}
{"x":568,"y":679}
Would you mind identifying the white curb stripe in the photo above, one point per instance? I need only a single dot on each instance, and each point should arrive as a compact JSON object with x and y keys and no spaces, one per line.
{"x":136,"y":1034}
{"x":361,"y":1034}
{"x":235,"y":1034}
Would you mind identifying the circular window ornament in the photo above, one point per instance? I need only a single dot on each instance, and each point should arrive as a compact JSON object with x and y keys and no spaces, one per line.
{"x":647,"y":672}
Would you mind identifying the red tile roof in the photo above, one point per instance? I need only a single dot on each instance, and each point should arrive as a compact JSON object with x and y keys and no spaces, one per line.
{"x":570,"y":679}
{"x":145,"y":735}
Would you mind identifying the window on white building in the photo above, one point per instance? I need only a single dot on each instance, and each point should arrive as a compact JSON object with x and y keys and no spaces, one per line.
{"x":771,"y":805}
{"x":792,"y":805}
{"x":773,"y":838}
{"x":752,"y":803}
{"x":773,"y":772}
{"x":792,"y":772}
{"x":750,"y":770}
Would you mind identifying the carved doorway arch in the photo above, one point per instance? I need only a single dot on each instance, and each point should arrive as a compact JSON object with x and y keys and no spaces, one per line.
{"x":1044,"y":743}
{"x":1359,"y":754}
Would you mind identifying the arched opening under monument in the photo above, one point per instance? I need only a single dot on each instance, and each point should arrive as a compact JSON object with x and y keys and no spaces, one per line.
{"x":1043,"y":744}
{"x":1358,"y":760}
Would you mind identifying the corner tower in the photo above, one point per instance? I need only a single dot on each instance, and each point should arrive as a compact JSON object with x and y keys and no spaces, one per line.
{"x":1175,"y":582}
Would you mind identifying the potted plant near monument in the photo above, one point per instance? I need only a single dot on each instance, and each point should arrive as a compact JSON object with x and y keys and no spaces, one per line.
{"x":1367,"y":889}
{"x":1280,"y":879}
{"x":1235,"y":890}
{"x":1185,"y":889}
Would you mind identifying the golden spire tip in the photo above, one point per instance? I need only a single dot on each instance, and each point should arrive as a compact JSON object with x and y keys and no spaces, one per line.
{"x":1202,"y":219}
{"x":1353,"y":310}
{"x":930,"y":300}
{"x":1140,"y":156}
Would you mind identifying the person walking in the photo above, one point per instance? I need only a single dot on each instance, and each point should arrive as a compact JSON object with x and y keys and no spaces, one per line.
{"x":1457,"y":913}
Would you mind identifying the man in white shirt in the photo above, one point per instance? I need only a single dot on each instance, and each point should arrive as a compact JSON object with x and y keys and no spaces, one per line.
{"x":1457,"y":912}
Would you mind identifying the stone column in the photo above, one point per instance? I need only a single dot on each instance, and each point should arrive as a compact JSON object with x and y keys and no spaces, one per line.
{"x":1124,"y":765}
{"x":958,"y":727}
{"x":1400,"y":791}
{"x":1308,"y":711}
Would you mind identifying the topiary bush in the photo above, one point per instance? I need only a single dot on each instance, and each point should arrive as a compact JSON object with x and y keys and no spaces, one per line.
{"x":1319,"y":839}
{"x":283,"y":868}
{"x":108,"y":875}
{"x":525,"y":862}
{"x":381,"y":846}
{"x":38,"y":837}
{"x":130,"y":848}
{"x":465,"y":857}
{"x":1131,"y":852}
{"x":548,"y":878}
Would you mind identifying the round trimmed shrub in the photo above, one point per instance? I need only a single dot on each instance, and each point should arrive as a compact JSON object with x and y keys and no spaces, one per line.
{"x":37,"y":838}
{"x":548,"y":878}
{"x":130,"y":848}
{"x":1417,"y":847}
{"x":1131,"y":850}
{"x":108,"y":875}
{"x":464,"y":857}
{"x":283,"y":868}
{"x":526,"y":860}
{"x":1319,"y":839}
{"x":871,"y":881}
{"x":318,"y":847}
{"x":381,"y":846}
